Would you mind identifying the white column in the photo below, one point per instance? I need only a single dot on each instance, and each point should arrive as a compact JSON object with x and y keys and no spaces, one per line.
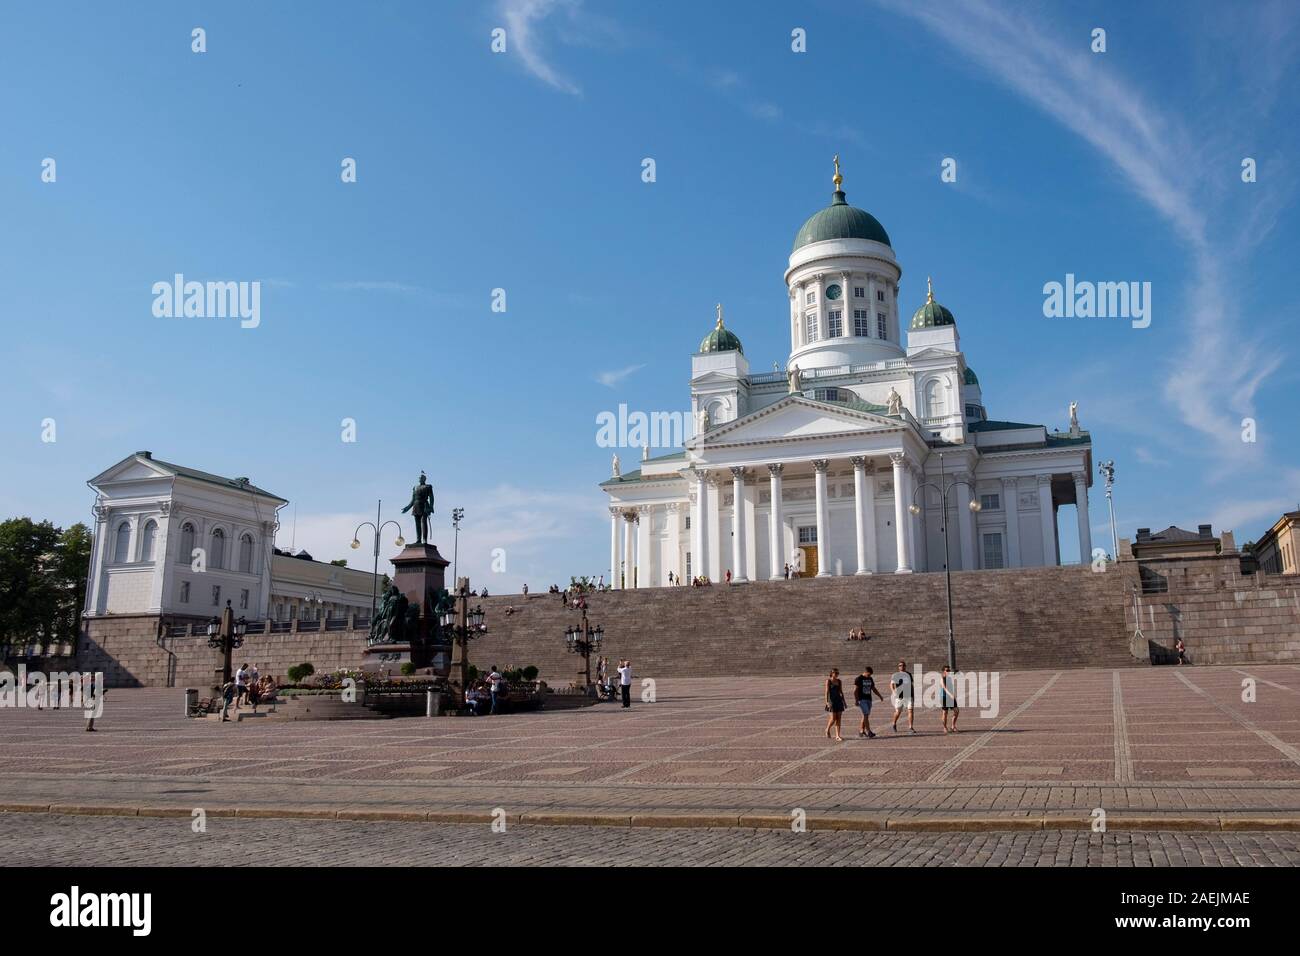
{"x":645,"y":528}
{"x":629,"y":544}
{"x":613,"y":548}
{"x":96,"y":600}
{"x":700,"y":559}
{"x":1047,"y":518}
{"x":1081,"y":502}
{"x":860,"y":510}
{"x":869,"y":506}
{"x":823,"y":523}
{"x":738,"y":526}
{"x":718,"y":556}
{"x":161,"y":565}
{"x":1011,"y":505}
{"x":966,"y":522}
{"x":913,"y":521}
{"x":776,"y":524}
{"x":900,"y":514}
{"x":672,"y":560}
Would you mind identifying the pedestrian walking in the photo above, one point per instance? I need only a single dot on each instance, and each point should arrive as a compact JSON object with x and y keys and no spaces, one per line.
{"x":948,"y":698}
{"x":787,"y":572}
{"x":901,"y":690}
{"x":864,"y":685}
{"x":495,"y":680}
{"x":625,"y":682}
{"x":1181,"y":648}
{"x":227,"y":695}
{"x":834,"y":704}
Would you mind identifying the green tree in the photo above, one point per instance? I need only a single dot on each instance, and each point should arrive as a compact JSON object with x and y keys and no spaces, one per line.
{"x":340,"y":563}
{"x":71,"y":568}
{"x":29,"y":594}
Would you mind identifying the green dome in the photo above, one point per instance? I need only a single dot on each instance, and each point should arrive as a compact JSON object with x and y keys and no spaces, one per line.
{"x":970,"y":377}
{"x":721,"y":339}
{"x":839,"y":220}
{"x":932,"y":314}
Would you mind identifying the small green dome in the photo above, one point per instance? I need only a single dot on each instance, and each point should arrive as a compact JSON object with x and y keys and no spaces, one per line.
{"x":839,"y":220}
{"x":721,"y":339}
{"x":932,"y":314}
{"x":970,"y":377}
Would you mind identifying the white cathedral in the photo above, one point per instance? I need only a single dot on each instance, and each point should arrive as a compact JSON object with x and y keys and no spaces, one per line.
{"x":835,"y":466}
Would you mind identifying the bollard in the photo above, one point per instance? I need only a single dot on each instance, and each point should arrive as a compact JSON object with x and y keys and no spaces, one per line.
{"x":191,"y":699}
{"x":428,"y":703}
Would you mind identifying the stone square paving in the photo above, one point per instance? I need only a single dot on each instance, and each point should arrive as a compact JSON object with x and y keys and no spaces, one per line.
{"x":1154,"y":743}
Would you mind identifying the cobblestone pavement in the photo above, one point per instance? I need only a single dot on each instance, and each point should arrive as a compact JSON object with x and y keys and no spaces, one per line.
{"x":1156,"y":740}
{"x":48,"y":839}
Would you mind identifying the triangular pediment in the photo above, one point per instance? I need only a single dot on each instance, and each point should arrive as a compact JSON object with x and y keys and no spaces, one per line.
{"x":796,"y":417}
{"x":133,"y":468}
{"x":932,"y":353}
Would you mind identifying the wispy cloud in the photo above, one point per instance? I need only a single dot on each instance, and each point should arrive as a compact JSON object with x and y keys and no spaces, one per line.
{"x":1156,"y":155}
{"x":379,"y":286}
{"x":613,"y":378}
{"x":523,"y":18}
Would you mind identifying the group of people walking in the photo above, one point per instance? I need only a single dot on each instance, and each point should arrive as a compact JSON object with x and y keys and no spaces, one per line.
{"x":902,"y":695}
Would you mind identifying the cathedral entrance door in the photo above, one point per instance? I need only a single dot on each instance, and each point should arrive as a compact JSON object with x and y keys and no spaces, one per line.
{"x":809,"y":560}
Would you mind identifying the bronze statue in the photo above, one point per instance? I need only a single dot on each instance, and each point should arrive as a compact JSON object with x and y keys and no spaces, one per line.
{"x":421,"y":507}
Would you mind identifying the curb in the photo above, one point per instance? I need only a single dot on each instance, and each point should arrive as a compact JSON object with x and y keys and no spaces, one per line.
{"x":738,"y":820}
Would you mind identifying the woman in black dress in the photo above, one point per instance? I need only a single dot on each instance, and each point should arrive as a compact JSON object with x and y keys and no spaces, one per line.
{"x":834,"y":703}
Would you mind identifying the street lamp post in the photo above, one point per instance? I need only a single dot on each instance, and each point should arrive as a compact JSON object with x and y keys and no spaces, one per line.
{"x":226,"y":635}
{"x":1107,"y":469}
{"x":378,"y":529}
{"x":915,"y":509}
{"x":585,"y":640}
{"x":462,"y":625}
{"x":456,"y":515}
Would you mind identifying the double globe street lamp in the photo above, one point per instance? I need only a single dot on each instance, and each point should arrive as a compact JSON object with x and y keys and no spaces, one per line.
{"x":585,"y":640}
{"x":974,"y":505}
{"x":378,"y":529}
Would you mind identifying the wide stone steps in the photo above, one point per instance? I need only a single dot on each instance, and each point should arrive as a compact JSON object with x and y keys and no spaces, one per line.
{"x":1029,"y":618}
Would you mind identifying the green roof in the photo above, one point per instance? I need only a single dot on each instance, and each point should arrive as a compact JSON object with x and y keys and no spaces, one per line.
{"x":722,"y":340}
{"x":970,"y":376}
{"x":237,"y":484}
{"x":839,"y":220}
{"x":996,"y":426}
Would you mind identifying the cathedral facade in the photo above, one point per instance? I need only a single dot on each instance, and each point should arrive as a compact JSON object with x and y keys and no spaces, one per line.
{"x":842,"y":463}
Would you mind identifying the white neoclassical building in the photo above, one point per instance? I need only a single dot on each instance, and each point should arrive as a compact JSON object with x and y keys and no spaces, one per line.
{"x":834,"y":465}
{"x":179,"y":543}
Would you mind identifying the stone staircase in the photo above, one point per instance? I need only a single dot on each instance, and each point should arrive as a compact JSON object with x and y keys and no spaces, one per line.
{"x":1013,"y":619}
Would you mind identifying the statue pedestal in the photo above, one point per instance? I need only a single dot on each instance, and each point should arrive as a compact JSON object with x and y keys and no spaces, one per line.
{"x":420,"y":574}
{"x":420,"y":568}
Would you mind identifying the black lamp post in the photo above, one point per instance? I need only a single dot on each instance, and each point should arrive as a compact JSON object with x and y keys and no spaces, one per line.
{"x":585,"y":640}
{"x":226,"y":635}
{"x":457,"y":515}
{"x":461,"y":624}
{"x":378,"y":529}
{"x":915,"y":509}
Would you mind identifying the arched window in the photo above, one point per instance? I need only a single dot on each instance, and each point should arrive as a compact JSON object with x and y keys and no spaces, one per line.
{"x":122,"y":549}
{"x":150,"y":541}
{"x":934,"y":398}
{"x":217,"y":552}
{"x":186,"y":553}
{"x":246,"y":553}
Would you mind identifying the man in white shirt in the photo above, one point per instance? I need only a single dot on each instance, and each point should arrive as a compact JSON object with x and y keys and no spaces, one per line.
{"x":241,"y":684}
{"x":495,"y":681}
{"x":625,"y":682}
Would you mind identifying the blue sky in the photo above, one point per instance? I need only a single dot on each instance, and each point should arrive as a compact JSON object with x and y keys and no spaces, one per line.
{"x":521,"y":171}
